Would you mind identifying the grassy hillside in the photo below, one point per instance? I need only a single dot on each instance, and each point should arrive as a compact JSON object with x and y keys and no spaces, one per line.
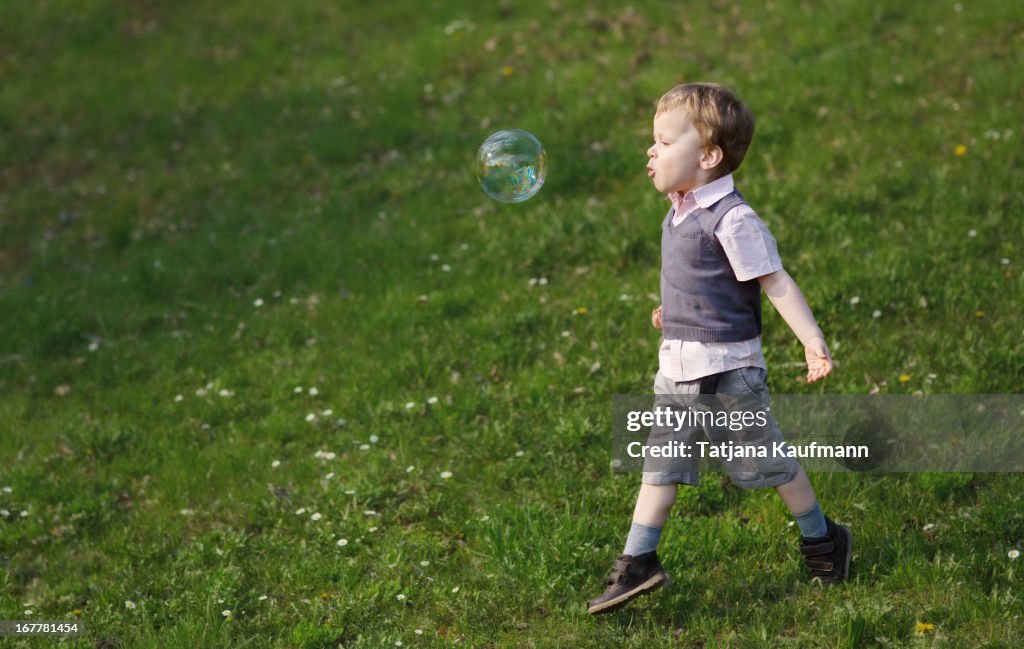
{"x":275,"y":372}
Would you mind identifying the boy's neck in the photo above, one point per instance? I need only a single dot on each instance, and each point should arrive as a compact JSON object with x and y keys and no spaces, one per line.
{"x":679,"y":196}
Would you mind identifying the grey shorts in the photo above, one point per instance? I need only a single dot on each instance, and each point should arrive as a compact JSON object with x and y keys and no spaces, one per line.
{"x":739,"y":391}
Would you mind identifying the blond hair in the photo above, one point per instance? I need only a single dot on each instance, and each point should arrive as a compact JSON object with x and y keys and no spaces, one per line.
{"x":718,"y":115}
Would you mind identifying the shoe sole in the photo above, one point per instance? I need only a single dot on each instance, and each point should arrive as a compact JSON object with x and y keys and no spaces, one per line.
{"x":652,"y":584}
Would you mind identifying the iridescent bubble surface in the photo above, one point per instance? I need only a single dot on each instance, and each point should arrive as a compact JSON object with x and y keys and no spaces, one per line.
{"x":511,"y":165}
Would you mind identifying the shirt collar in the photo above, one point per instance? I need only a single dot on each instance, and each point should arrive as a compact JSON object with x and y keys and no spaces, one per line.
{"x":706,"y":195}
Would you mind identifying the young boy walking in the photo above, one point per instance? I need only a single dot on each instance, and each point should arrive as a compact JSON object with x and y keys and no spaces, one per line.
{"x":717,"y":257}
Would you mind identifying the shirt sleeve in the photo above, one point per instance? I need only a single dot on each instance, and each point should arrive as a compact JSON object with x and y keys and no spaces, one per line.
{"x":748,"y":244}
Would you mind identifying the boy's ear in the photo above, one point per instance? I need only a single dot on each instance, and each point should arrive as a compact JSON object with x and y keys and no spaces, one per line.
{"x":711,"y":157}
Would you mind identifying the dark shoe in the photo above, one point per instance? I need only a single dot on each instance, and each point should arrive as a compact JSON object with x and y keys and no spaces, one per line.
{"x":829,"y":557}
{"x":631,"y":577}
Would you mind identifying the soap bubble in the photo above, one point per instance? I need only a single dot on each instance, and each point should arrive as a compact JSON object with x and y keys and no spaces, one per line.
{"x":511,"y":166}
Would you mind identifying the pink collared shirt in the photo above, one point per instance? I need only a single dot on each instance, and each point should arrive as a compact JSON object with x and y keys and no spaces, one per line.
{"x":752,"y":252}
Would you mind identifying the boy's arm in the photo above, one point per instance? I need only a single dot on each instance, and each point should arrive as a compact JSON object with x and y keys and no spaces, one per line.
{"x":785,"y":295}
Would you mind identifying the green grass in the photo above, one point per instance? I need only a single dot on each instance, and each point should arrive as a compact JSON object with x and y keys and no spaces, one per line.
{"x":164,"y":166}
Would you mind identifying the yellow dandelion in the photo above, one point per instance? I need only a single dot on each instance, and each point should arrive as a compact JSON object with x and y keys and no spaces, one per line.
{"x":904,"y":378}
{"x":581,"y":310}
{"x":924,"y":627}
{"x":960,"y":150}
{"x":979,"y":314}
{"x":507,"y":71}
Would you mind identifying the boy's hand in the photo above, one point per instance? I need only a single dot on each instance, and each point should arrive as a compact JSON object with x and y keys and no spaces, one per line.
{"x":656,"y":318}
{"x":819,"y":359}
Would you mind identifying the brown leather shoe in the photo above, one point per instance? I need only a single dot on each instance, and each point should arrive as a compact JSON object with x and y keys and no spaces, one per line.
{"x":828,"y":558}
{"x":630,"y":578}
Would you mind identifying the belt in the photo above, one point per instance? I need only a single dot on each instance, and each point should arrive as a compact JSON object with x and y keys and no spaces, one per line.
{"x":708,"y":388}
{"x":709,"y":384}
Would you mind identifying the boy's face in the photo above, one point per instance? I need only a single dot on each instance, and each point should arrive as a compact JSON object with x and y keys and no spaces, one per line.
{"x":678,"y":161}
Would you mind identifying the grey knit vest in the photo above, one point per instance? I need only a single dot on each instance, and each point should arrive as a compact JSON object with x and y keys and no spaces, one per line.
{"x":701,"y":299}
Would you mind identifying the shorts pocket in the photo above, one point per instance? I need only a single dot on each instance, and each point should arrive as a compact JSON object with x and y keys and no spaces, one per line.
{"x":755,"y":379}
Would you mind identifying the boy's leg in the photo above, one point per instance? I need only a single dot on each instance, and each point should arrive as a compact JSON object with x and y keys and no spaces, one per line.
{"x":637,"y":570}
{"x":798,"y":494}
{"x":826,"y":545}
{"x":653,"y":504}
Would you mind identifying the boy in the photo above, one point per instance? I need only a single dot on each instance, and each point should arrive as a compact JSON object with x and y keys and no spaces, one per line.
{"x":717,"y":256}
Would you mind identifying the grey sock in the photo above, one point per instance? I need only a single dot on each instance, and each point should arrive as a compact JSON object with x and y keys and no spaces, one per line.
{"x":812,"y":524}
{"x":642,"y":539}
